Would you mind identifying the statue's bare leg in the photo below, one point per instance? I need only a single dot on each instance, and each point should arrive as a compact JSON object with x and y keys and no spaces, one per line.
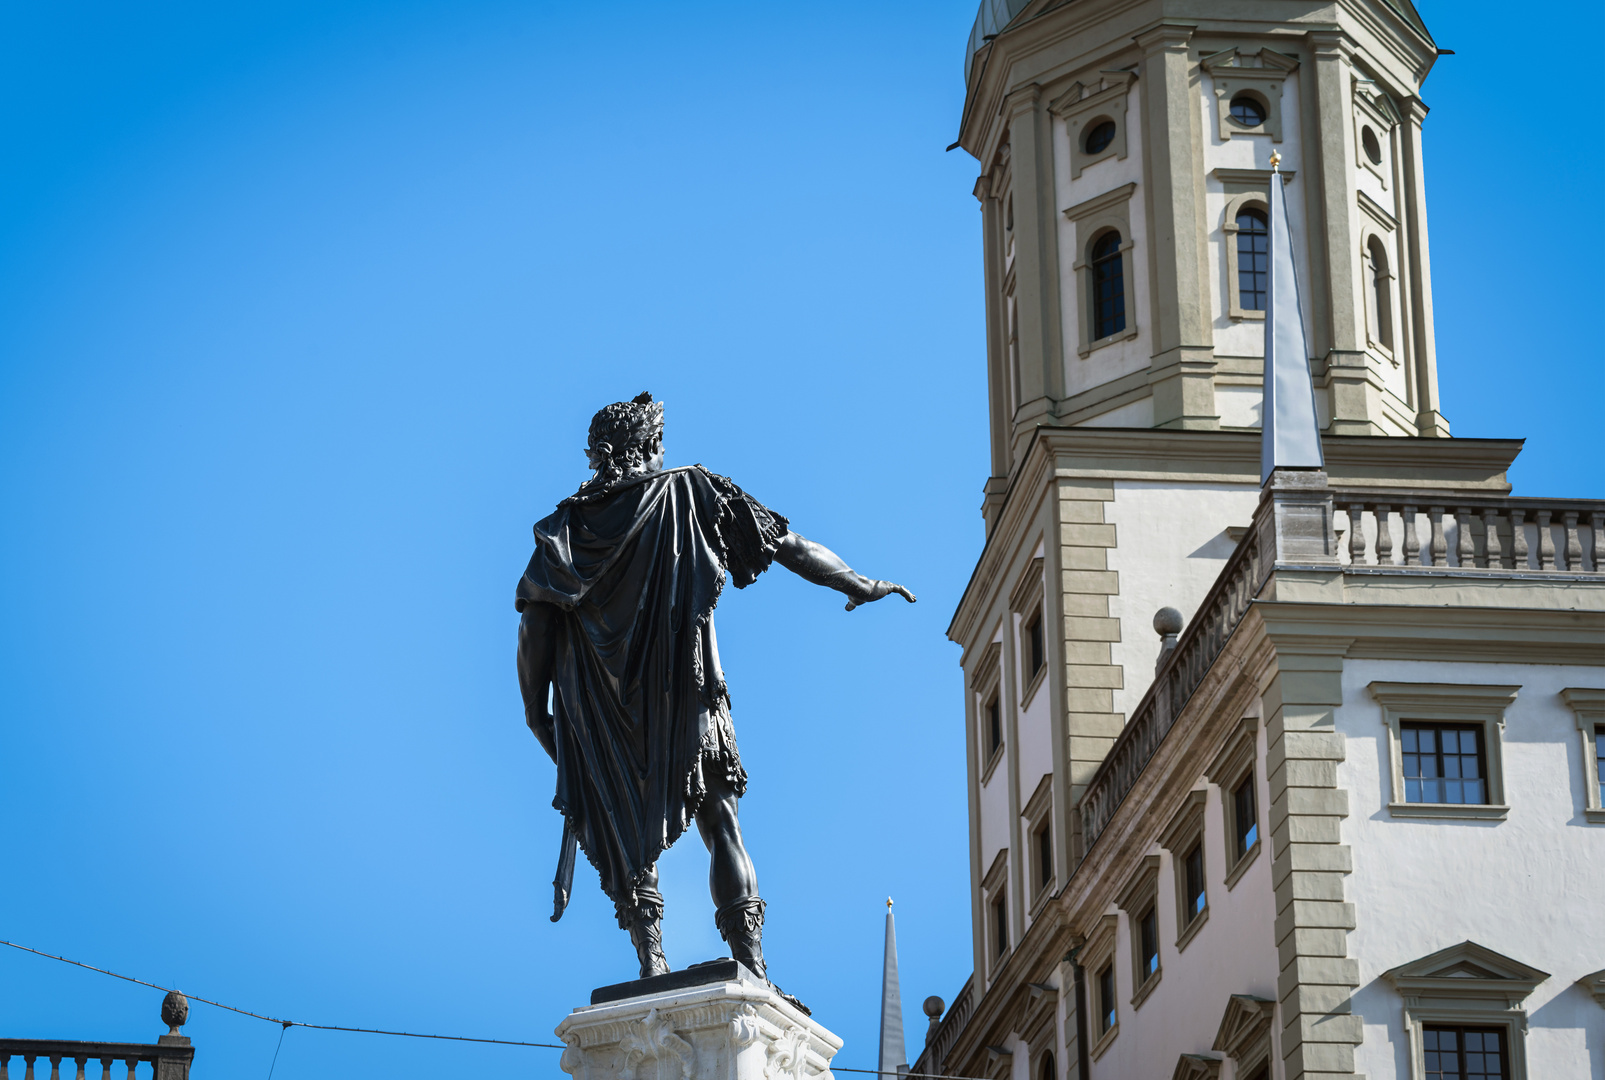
{"x":731,"y":877}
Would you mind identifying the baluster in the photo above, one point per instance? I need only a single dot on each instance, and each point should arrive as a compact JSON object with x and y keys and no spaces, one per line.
{"x":1574,"y":546}
{"x":133,"y":1064}
{"x":1439,"y":549}
{"x":1493,"y":555}
{"x":82,"y":1060}
{"x":55,"y":1067}
{"x":1384,"y":536}
{"x":1596,"y":521}
{"x":5,"y":1065}
{"x":28,"y":1062}
{"x":1518,"y":539}
{"x":1546,"y":540}
{"x":1356,"y":534}
{"x":1465,"y":543}
{"x":1412,"y":543}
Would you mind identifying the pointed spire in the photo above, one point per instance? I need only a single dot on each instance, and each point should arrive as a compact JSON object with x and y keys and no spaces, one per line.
{"x":893,"y":1056}
{"x":1290,"y":433}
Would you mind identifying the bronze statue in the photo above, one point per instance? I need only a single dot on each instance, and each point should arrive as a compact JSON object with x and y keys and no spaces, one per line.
{"x":617,"y":626}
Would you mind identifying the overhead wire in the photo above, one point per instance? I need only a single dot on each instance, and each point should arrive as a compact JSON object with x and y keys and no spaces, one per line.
{"x":286,"y":1025}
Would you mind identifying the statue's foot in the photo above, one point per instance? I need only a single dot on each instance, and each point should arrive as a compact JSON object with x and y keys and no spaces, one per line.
{"x":741,"y":924}
{"x":648,"y":941}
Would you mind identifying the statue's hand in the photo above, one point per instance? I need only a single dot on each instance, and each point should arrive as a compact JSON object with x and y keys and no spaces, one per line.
{"x":879,"y":590}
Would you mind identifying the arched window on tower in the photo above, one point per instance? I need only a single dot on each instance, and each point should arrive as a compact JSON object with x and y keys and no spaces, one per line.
{"x":1379,"y":294}
{"x":1049,"y":1069}
{"x":1108,"y":286}
{"x":1253,"y":259}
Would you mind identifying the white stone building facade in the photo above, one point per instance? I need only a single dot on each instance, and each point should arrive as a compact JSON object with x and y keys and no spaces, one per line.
{"x":1216,"y":854}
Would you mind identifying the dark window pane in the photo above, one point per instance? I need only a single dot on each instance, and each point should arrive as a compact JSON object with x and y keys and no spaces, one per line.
{"x":1108,"y":287}
{"x":1245,"y":815}
{"x":1448,"y":767}
{"x":1100,"y":136}
{"x":1150,"y":942}
{"x":1044,"y":856}
{"x":1599,"y":760}
{"x":1034,"y":642}
{"x":994,"y":726}
{"x":1195,"y":882}
{"x":1247,"y":111}
{"x":1000,"y":921}
{"x":1253,"y":260}
{"x":1456,"y":1053}
{"x":1106,"y":998}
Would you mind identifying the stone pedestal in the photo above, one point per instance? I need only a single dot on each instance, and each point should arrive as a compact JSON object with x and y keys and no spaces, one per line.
{"x":710,"y":1022}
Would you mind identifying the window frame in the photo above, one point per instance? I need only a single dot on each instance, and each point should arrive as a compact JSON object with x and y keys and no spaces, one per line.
{"x":1028,"y":602}
{"x":1237,"y":760}
{"x":1245,"y":1033}
{"x":1185,"y":834}
{"x":987,"y":686}
{"x":1246,"y":189}
{"x":1090,"y":220}
{"x":995,"y":901}
{"x":1108,"y":267}
{"x":1588,"y":708}
{"x":1139,"y":899}
{"x":1098,"y":956}
{"x":1466,"y":985}
{"x":1230,"y":78}
{"x":1038,"y":814}
{"x":1465,"y":705}
{"x":1380,"y":323}
{"x":1083,"y":108}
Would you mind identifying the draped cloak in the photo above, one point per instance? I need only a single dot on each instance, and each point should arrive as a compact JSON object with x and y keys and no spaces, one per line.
{"x":640,"y":707}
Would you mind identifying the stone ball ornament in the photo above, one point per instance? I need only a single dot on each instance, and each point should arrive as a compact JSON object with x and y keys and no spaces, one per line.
{"x":1167,"y":621}
{"x":934,"y":1006}
{"x":175,"y":1011}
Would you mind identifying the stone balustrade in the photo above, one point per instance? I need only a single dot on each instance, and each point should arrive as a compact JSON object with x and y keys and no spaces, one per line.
{"x":1301,"y":523}
{"x":169,"y":1057}
{"x":941,"y":1041}
{"x":1412,"y":530}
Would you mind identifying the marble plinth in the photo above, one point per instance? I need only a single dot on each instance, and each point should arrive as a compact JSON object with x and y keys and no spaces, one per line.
{"x":726,"y":1025}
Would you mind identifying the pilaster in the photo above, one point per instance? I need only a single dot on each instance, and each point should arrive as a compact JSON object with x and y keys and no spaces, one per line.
{"x":1091,"y":676}
{"x":1182,"y":371}
{"x":1309,"y":859}
{"x":1036,"y":258}
{"x":1429,"y":420}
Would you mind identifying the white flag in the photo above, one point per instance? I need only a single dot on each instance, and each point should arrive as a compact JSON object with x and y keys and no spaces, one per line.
{"x":1290,"y":435}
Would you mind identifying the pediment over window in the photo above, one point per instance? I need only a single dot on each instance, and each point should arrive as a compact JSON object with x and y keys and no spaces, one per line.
{"x":1594,"y":983}
{"x":1196,"y":1067}
{"x":1246,"y":1022}
{"x":1467,"y":970}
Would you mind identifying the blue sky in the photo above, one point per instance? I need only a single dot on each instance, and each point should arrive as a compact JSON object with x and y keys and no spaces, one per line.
{"x":303,"y":310}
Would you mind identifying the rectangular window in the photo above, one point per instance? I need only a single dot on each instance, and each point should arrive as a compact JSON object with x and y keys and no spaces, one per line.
{"x":1149,"y":933}
{"x":1599,"y":760}
{"x":1194,"y":872}
{"x":1464,"y":1053}
{"x":1034,"y":650}
{"x":1443,"y":763}
{"x":994,"y":727}
{"x":1000,"y":923}
{"x":1106,"y":998}
{"x":1044,"y":842}
{"x":1245,"y":816}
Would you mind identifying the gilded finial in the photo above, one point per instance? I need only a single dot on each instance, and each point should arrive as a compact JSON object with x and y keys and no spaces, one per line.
{"x":888,"y":903}
{"x":1276,"y":160}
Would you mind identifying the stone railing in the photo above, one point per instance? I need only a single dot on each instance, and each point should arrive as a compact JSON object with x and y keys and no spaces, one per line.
{"x":1180,"y":671}
{"x":939,"y":1042}
{"x":169,"y":1057}
{"x":1413,"y":530}
{"x":1298,"y":525}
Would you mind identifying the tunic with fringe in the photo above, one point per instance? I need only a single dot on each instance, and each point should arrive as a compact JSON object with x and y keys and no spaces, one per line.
{"x":641,"y":710}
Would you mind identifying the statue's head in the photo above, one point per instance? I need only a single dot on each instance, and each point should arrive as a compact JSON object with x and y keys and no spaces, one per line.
{"x":626,"y":437}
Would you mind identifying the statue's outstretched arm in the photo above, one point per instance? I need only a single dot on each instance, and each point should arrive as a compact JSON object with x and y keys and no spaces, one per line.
{"x":822,"y":566}
{"x":537,"y":657}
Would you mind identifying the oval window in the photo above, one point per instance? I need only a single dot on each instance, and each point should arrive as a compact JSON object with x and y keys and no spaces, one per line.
{"x":1100,"y":136}
{"x":1247,"y":111}
{"x":1373,"y":149}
